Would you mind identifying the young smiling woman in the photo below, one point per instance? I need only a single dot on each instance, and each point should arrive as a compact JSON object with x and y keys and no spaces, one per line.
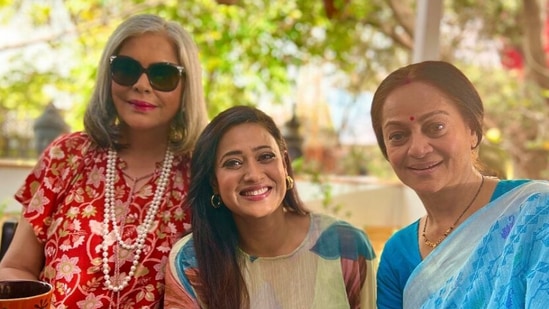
{"x":254,"y":244}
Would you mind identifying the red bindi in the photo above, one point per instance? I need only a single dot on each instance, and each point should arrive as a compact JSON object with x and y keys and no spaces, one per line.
{"x":412,"y":118}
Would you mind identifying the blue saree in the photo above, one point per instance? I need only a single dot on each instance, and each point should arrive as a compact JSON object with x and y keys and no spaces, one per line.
{"x":498,"y":258}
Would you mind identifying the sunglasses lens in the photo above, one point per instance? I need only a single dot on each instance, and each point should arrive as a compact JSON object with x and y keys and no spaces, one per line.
{"x":125,"y":71}
{"x":163,"y":77}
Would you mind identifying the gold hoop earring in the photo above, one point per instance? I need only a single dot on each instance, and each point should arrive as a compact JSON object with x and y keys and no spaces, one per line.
{"x":289,"y":183}
{"x":215,"y":200}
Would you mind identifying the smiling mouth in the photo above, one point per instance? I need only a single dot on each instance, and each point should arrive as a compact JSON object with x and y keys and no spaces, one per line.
{"x":423,"y":168}
{"x":255,"y":192}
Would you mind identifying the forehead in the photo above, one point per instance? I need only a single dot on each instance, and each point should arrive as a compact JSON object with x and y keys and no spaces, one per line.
{"x":411,"y":101}
{"x":245,"y":136}
{"x":149,"y":45}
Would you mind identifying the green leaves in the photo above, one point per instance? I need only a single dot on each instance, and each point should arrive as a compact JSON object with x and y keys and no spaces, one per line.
{"x":246,"y":48}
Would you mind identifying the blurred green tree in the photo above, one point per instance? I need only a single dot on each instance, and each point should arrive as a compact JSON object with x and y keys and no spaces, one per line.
{"x":248,"y":46}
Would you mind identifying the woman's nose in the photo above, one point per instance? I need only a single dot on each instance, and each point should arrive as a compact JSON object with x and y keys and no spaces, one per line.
{"x":419,"y":146}
{"x":142,"y":84}
{"x":253,"y":171}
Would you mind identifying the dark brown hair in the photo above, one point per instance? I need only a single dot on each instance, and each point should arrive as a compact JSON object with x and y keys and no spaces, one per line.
{"x":214,"y":231}
{"x":442,"y":75}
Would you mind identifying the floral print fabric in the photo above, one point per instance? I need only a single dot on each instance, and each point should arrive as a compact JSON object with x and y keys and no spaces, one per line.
{"x":63,"y":199}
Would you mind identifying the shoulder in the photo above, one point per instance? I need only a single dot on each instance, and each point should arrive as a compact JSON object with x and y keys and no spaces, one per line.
{"x":403,"y":244}
{"x":339,"y":238}
{"x":71,"y":140}
{"x":70,"y":151}
{"x":324,"y":221}
{"x":507,"y":185}
{"x":67,"y":145}
{"x":182,"y":254}
{"x":331,"y":225}
{"x":399,"y":258}
{"x":182,"y":275}
{"x":535,"y":197}
{"x":538,"y":185}
{"x":405,"y":234}
{"x":60,"y":158}
{"x":530,"y":190}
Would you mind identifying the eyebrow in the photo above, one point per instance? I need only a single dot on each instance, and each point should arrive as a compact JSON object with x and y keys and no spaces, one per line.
{"x":419,"y":119}
{"x":238,"y":152}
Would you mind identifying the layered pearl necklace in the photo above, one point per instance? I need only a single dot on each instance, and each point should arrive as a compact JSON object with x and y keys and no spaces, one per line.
{"x":142,"y":229}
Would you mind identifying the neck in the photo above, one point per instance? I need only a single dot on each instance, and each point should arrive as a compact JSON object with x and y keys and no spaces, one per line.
{"x":272,"y":237}
{"x":142,"y":163}
{"x":142,"y":140}
{"x":441,"y":230}
{"x":444,"y":206}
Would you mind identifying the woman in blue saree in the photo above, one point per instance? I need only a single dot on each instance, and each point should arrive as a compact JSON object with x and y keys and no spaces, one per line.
{"x":484,"y":242}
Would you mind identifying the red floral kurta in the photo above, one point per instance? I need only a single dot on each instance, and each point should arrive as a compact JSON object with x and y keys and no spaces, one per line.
{"x":63,"y":199}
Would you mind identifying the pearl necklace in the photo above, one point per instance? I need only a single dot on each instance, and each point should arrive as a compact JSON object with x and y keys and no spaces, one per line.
{"x":142,"y":229}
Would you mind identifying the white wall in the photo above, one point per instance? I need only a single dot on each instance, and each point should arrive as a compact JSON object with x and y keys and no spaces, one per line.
{"x":369,"y":204}
{"x":12,"y":176}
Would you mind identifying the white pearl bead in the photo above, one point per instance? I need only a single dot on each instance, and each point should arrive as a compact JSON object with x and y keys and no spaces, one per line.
{"x":142,"y":230}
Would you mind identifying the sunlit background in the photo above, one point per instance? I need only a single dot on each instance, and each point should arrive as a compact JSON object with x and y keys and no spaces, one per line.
{"x":312,"y":65}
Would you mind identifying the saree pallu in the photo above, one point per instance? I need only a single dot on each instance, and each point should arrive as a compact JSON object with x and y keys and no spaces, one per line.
{"x":497,"y":258}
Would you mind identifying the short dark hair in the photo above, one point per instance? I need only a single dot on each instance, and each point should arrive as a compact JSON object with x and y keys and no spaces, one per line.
{"x":442,"y":75}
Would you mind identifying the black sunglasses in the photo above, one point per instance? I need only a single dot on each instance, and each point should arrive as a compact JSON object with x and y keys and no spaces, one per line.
{"x":163,"y":76}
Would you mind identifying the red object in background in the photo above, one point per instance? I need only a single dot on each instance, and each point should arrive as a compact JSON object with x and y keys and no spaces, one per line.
{"x":511,"y":58}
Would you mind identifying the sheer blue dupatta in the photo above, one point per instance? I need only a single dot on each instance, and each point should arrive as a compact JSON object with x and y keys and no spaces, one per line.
{"x":479,"y":265}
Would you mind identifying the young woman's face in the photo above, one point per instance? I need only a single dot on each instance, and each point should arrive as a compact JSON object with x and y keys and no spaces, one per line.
{"x":140,"y":106}
{"x":250,"y":172}
{"x":428,"y":141}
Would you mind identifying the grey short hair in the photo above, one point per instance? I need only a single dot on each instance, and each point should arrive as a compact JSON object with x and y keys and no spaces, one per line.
{"x":101,"y":115}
